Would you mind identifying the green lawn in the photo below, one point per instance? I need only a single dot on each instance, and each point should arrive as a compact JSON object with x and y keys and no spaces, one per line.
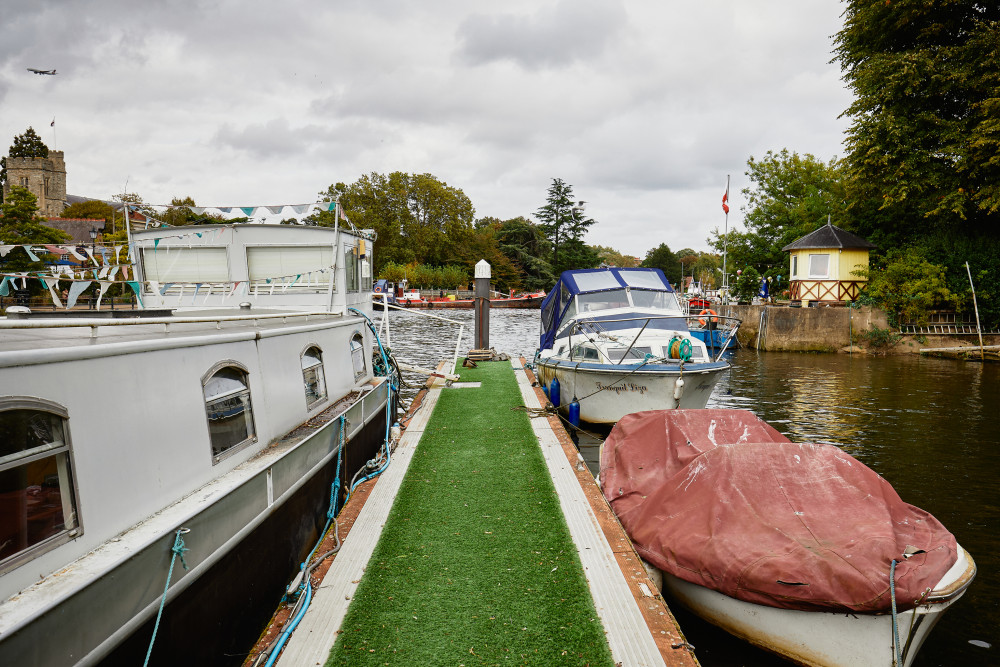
{"x":475,"y":565}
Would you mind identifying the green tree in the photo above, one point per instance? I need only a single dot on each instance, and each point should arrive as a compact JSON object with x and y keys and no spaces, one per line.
{"x":788,"y":197}
{"x":907,"y":286}
{"x":663,"y":259}
{"x":417,"y":217}
{"x":925,"y":133}
{"x":21,"y":225}
{"x":925,"y":124}
{"x":525,"y":245}
{"x":747,"y":285}
{"x":28,"y":144}
{"x":564,"y":224}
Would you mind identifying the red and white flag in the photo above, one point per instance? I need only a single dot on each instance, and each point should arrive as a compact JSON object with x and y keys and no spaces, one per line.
{"x":725,"y":206}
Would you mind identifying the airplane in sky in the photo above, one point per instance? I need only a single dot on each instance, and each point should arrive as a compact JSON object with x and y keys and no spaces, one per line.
{"x":50,"y":72}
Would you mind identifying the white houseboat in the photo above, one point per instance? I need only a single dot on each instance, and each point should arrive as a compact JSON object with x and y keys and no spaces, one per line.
{"x":220,"y":415}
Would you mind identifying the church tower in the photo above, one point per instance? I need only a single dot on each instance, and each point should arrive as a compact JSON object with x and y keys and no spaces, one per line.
{"x":44,"y":177}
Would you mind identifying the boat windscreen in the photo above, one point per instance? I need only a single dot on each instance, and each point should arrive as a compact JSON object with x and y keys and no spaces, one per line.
{"x":588,"y":303}
{"x":649,"y":299}
{"x":643,"y":279}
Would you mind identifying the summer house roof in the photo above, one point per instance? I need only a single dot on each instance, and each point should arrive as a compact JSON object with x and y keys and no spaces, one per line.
{"x":829,"y":236}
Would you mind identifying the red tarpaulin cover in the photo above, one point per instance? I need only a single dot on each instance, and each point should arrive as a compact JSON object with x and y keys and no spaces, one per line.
{"x":721,"y":499}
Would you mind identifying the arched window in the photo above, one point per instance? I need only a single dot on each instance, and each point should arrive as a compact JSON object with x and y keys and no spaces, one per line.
{"x":37,"y":498}
{"x":229,"y":411}
{"x":358,"y":355}
{"x":312,"y":376}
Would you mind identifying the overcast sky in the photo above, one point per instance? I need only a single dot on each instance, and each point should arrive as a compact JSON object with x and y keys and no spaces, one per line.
{"x":643,"y":106}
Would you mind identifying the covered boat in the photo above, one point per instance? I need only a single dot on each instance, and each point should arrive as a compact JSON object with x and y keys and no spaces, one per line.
{"x":798,"y":548}
{"x":615,"y":341}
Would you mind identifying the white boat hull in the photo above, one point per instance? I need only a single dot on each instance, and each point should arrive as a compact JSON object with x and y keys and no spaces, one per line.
{"x":825,"y":639}
{"x":608,"y":394}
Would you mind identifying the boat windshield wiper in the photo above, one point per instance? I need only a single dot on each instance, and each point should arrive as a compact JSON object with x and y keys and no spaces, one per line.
{"x":636,"y":338}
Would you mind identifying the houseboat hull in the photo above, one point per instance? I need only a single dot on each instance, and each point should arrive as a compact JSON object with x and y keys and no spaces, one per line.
{"x":608,"y":392}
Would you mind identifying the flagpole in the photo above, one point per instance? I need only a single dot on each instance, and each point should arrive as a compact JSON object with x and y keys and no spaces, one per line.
{"x":725,"y":244}
{"x":55,"y":144}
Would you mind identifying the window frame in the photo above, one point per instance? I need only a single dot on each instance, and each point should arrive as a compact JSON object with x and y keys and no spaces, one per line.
{"x":8,"y":403}
{"x":357,"y":335}
{"x":813,"y":256}
{"x":321,"y":366}
{"x":252,"y":435}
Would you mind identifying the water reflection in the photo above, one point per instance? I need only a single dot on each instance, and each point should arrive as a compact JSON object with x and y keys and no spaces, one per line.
{"x":927,"y":425}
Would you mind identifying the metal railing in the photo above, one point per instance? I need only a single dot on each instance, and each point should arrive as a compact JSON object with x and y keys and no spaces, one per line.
{"x":596,"y":327}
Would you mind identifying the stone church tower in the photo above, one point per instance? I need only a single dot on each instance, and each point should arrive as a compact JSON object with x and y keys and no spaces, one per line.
{"x":44,"y":177}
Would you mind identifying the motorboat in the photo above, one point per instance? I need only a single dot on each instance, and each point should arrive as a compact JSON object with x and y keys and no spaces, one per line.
{"x":798,"y":548}
{"x":165,"y":470}
{"x":615,"y":341}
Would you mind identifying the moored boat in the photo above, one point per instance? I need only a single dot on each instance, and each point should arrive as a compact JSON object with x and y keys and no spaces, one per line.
{"x":163,"y":473}
{"x":798,"y":548}
{"x":616,"y":341}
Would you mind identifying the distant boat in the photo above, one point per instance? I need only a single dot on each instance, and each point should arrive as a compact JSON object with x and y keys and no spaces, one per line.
{"x":797,"y":548}
{"x":616,"y":341}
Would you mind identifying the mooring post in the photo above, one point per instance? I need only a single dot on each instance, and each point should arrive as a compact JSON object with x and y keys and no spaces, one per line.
{"x":482,"y":299}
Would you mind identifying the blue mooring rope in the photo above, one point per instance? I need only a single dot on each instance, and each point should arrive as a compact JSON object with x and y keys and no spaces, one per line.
{"x":178,"y":550}
{"x":305,"y":588}
{"x":898,"y":657}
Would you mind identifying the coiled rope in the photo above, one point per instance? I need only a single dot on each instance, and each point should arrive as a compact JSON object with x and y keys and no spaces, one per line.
{"x":178,"y":550}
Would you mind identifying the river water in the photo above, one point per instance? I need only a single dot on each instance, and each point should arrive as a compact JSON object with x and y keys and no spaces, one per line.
{"x":931,"y":427}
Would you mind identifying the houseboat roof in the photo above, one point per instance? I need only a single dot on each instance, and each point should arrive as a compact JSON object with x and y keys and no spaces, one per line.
{"x":829,"y":236}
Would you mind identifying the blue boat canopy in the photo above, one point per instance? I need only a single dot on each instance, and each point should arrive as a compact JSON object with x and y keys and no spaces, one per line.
{"x":586,"y":281}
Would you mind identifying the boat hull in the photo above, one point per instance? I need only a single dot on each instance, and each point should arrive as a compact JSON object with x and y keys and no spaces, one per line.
{"x":607,"y":393}
{"x":815,"y":638}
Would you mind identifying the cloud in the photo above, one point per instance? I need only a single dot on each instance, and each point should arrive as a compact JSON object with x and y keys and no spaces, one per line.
{"x":555,"y":36}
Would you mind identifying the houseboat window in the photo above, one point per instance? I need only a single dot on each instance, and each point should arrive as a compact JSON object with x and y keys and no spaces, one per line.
{"x":352,"y":276}
{"x":312,"y":376}
{"x":230,"y":415}
{"x":358,"y":355}
{"x":615,"y":298}
{"x":278,"y":266}
{"x":819,"y":266}
{"x":37,"y":502}
{"x":172,"y":264}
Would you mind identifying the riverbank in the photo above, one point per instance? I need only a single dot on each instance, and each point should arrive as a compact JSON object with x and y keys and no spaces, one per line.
{"x":780,"y":328}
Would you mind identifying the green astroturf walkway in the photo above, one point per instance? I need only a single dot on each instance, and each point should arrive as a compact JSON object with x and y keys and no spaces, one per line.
{"x":475,"y":565}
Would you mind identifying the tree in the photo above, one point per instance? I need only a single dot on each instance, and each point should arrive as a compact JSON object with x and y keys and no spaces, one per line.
{"x":525,"y":245}
{"x":747,"y":285}
{"x":788,"y":197}
{"x":663,"y":259}
{"x":907,"y":286}
{"x":28,"y":144}
{"x":417,"y":217}
{"x":564,"y":225}
{"x":612,"y":257}
{"x":925,"y":123}
{"x":21,"y":225}
{"x":924,"y":137}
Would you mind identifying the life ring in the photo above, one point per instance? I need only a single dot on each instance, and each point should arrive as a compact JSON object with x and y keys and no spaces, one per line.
{"x":707,"y":311}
